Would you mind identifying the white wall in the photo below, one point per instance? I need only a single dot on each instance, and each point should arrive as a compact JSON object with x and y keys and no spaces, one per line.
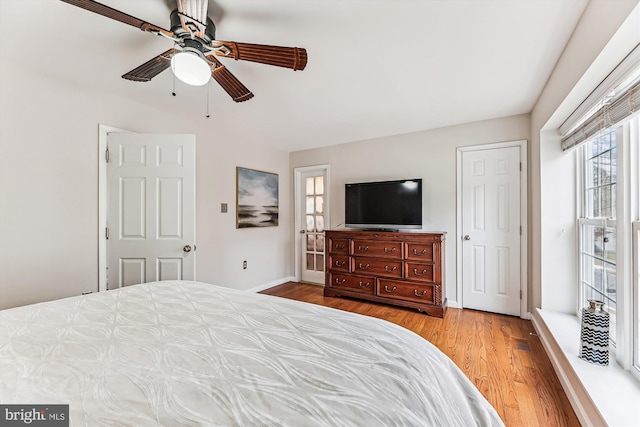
{"x":559,"y":234}
{"x":430,"y":155}
{"x":49,"y":190}
{"x":606,"y":32}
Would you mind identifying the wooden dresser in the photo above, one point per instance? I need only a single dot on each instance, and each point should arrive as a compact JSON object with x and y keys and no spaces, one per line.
{"x":399,"y":268}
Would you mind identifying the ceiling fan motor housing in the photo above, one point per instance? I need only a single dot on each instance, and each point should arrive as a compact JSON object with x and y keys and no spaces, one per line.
{"x":176,"y":28}
{"x":193,"y":45}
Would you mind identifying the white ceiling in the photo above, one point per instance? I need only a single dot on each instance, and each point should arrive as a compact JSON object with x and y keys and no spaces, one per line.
{"x":376,"y":68}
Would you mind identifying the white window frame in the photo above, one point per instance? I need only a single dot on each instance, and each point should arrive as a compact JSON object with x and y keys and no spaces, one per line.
{"x":626,"y":349}
{"x":634,"y":245}
{"x":635,"y":230}
{"x":582,"y":221}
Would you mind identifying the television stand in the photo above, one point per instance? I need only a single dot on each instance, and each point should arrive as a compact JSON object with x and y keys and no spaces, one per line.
{"x":399,"y":268}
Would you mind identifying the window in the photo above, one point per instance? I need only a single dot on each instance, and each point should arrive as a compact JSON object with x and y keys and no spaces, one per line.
{"x":636,"y":299}
{"x":609,"y":229}
{"x":601,"y":176}
{"x":597,"y":224}
{"x":634,"y":173}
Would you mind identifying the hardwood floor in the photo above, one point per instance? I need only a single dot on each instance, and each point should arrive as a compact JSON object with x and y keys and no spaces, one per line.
{"x":500,"y":354}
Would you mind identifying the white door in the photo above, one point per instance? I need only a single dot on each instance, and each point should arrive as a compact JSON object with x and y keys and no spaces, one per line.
{"x":312,"y":217}
{"x":491,"y":230}
{"x":151,"y":208}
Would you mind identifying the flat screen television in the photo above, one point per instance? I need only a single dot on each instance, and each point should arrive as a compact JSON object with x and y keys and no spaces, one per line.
{"x":384,"y":205}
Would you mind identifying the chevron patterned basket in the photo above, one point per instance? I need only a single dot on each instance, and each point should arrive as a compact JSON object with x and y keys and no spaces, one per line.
{"x":594,"y":334}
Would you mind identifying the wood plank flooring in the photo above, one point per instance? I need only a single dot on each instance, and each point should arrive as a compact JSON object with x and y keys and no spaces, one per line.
{"x":500,"y":354}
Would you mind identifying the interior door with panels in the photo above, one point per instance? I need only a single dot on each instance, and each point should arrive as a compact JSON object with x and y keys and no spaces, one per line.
{"x":151,"y":208}
{"x":491,"y":230}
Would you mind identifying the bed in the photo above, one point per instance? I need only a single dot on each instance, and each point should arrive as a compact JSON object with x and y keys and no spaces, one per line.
{"x":181,"y":353}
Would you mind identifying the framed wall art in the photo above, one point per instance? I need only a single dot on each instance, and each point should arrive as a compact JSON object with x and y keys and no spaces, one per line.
{"x":256,"y":199}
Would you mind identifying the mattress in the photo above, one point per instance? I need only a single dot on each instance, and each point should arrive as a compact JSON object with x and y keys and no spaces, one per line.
{"x":181,"y":353}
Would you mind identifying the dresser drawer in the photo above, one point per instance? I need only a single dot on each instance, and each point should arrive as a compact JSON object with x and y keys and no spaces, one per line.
{"x":377,"y":267}
{"x":377,"y":249}
{"x":423,"y":252}
{"x":340,"y":263}
{"x":424,"y":293}
{"x":418,"y":271}
{"x":339,"y":246}
{"x":365,"y":285}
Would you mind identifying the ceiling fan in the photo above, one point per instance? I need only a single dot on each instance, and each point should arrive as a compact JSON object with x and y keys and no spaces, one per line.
{"x":193,"y":59}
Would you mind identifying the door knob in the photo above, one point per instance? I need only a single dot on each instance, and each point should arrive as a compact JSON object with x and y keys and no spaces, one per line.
{"x":302,"y":231}
{"x":467,"y":237}
{"x":187,"y":248}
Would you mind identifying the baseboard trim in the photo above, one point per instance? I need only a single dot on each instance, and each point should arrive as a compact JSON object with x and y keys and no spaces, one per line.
{"x":269,"y":285}
{"x":452,"y":304}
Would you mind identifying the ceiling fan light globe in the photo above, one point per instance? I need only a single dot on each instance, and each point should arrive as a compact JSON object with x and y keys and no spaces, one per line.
{"x":190,"y":68}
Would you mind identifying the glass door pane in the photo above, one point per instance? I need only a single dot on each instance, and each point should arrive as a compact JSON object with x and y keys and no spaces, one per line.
{"x":315,"y":223}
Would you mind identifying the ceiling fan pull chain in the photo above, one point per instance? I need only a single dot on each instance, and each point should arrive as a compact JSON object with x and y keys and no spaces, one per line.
{"x":173,"y":92}
{"x":208,"y":92}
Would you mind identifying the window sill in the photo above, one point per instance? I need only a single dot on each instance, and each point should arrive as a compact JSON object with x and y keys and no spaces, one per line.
{"x":599,"y":394}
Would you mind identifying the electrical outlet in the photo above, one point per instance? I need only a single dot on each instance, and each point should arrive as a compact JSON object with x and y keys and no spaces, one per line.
{"x":223,"y":207}
{"x":244,"y":265}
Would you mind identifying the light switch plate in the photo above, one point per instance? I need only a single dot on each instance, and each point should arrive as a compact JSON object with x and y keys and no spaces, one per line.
{"x":223,"y":207}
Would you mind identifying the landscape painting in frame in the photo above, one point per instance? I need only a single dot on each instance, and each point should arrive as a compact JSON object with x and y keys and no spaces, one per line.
{"x":257,"y":199}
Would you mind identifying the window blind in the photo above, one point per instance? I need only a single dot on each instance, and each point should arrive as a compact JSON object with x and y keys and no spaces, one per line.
{"x":615,"y":98}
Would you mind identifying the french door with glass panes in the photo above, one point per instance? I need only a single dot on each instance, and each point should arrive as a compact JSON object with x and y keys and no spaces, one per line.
{"x":313,"y":218}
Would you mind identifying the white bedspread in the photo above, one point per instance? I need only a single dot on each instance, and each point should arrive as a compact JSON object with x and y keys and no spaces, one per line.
{"x":187,"y":353}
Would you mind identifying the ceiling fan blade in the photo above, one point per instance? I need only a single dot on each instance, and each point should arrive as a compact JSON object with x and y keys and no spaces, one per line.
{"x":229,"y":82}
{"x":100,"y":9}
{"x":287,"y":57}
{"x":193,"y":11}
{"x":151,"y":68}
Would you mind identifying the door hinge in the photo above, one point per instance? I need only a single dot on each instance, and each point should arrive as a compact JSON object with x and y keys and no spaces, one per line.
{"x":106,"y":155}
{"x":520,"y":293}
{"x":520,"y":166}
{"x":521,"y":230}
{"x":106,"y":233}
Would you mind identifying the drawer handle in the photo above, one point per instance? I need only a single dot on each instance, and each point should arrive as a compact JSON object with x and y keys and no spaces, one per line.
{"x":386,"y":288}
{"x":340,"y":282}
{"x":415,"y":292}
{"x":389,"y":251}
{"x":363,"y":267}
{"x":415,"y":252}
{"x":415,"y":272}
{"x":366,"y":285}
{"x":339,"y":246}
{"x":341,"y":264}
{"x":389,"y":270}
{"x":363,"y":248}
